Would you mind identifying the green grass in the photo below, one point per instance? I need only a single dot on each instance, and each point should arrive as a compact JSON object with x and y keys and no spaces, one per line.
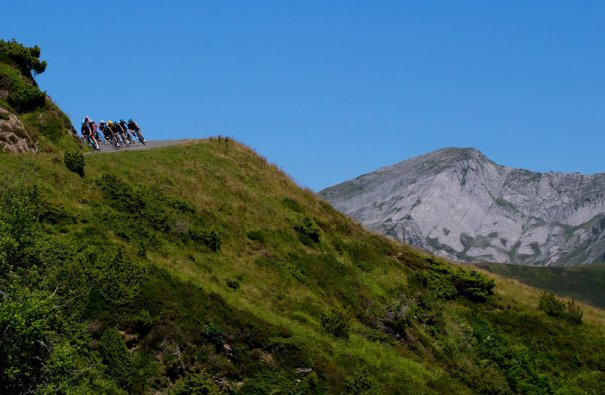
{"x":582,"y":282}
{"x":132,"y":245}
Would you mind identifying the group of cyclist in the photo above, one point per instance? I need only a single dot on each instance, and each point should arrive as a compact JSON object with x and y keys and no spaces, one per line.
{"x":116,"y":133}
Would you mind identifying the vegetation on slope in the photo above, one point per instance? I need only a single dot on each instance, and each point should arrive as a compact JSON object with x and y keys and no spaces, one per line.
{"x":202,"y":268}
{"x":582,"y":282}
{"x":46,"y":127}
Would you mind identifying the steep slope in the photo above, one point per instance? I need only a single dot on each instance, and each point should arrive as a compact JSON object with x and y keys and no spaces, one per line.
{"x":202,"y":267}
{"x":29,"y":120}
{"x":460,"y":205}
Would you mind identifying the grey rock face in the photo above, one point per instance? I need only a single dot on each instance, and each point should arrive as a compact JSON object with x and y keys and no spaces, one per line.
{"x":14,"y":138}
{"x":459,"y":204}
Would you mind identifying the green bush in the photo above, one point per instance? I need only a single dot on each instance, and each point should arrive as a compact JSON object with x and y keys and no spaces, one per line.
{"x":574,"y":313}
{"x":214,"y":334}
{"x":448,"y":282}
{"x":233,"y":283}
{"x":19,"y":211}
{"x":179,"y":204}
{"x":26,"y":58}
{"x":26,"y":99}
{"x":292,"y":205}
{"x":337,"y":323}
{"x":556,"y":307}
{"x":144,"y":321}
{"x":74,"y":161}
{"x":438,"y":284}
{"x":521,"y":367}
{"x":473,"y":285}
{"x":210,"y":238}
{"x":361,"y":382}
{"x":117,"y":278}
{"x":307,"y":229}
{"x":26,"y":320}
{"x":256,"y":235}
{"x":121,"y":195}
{"x":116,"y":357}
{"x":128,"y":369}
{"x":195,"y":384}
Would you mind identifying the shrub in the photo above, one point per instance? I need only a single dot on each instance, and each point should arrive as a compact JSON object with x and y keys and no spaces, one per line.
{"x":74,"y":161}
{"x":360,"y":382}
{"x":256,"y":235}
{"x":120,"y":195}
{"x":473,"y":285}
{"x":117,"y":278}
{"x":438,"y":284}
{"x":116,"y":356}
{"x":448,"y":282}
{"x":26,"y":99}
{"x":214,"y":334}
{"x":556,"y":307}
{"x":194,"y":384}
{"x":292,"y":205}
{"x":26,"y":323}
{"x":574,"y":313}
{"x":19,"y":212}
{"x":307,"y":229}
{"x":26,"y":58}
{"x":179,"y":204}
{"x":233,"y":284}
{"x":210,"y":238}
{"x":143,"y":322}
{"x":273,"y":382}
{"x":337,"y":323}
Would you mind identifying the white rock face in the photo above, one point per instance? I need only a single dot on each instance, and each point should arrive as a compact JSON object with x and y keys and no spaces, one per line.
{"x":457,"y":203}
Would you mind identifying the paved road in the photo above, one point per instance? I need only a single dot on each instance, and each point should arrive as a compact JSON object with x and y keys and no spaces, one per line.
{"x":138,"y":146}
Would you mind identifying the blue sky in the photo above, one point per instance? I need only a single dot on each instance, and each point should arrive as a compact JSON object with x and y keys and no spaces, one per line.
{"x":329,"y":90}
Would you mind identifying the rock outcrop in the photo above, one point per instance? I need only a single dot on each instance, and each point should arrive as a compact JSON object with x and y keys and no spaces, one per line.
{"x":14,"y":137}
{"x":459,"y":204}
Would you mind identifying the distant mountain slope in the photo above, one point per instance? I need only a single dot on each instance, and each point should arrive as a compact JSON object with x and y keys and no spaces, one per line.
{"x":459,"y":204}
{"x":582,"y":282}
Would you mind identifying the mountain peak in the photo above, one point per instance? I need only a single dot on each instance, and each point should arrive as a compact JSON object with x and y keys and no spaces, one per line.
{"x":451,"y":155}
{"x":457,"y":203}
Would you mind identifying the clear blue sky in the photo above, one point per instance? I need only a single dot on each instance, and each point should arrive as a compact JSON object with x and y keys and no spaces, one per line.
{"x":329,"y":90}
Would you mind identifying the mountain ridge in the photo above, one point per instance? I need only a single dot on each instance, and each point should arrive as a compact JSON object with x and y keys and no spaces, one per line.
{"x":539,"y":213}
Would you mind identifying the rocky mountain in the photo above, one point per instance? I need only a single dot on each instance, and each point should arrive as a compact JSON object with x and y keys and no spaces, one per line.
{"x":459,"y":204}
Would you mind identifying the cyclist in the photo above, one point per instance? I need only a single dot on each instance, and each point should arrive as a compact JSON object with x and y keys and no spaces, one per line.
{"x":115,"y":129}
{"x":132,"y":125}
{"x":92,"y":127}
{"x":88,"y":137}
{"x":123,"y":132}
{"x":124,"y":126}
{"x":109,"y":133}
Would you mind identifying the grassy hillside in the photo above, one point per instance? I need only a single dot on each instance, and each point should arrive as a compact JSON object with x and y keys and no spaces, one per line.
{"x":28,"y":117}
{"x":202,"y":268}
{"x":584,"y":282}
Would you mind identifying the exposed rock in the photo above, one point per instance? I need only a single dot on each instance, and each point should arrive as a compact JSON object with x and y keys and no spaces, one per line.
{"x":14,"y":138}
{"x":304,"y":371}
{"x":459,"y":204}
